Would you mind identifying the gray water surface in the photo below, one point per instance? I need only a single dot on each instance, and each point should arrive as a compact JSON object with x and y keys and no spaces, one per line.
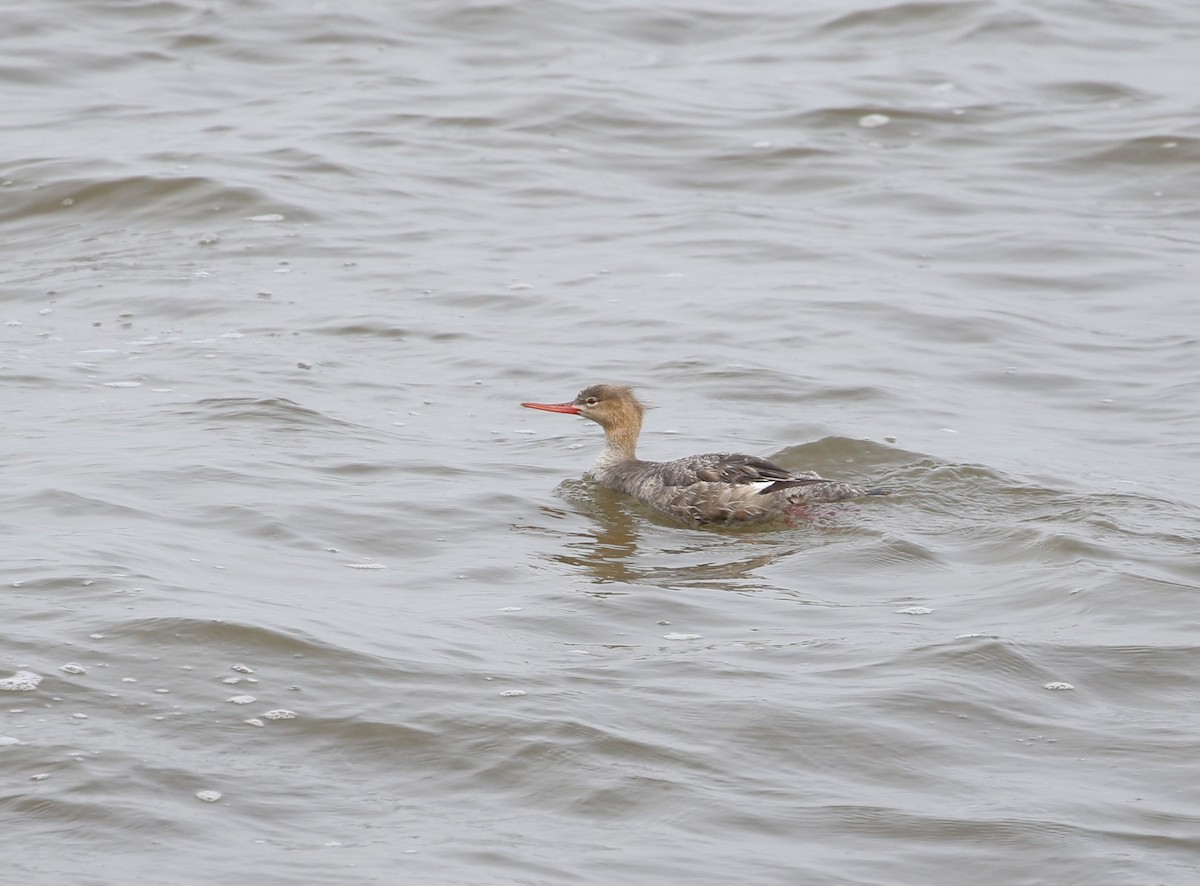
{"x":296,"y":593}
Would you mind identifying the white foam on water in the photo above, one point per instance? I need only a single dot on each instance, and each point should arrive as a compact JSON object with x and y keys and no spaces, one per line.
{"x":21,"y":681}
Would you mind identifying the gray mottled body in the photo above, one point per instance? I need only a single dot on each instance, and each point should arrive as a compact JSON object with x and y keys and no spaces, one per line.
{"x":720,"y":488}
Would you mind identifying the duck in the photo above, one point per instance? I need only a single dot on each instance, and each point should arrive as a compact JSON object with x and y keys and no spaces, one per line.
{"x":719,"y":488}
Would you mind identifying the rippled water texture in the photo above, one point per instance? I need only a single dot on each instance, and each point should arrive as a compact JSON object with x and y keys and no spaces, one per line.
{"x":294,"y":592}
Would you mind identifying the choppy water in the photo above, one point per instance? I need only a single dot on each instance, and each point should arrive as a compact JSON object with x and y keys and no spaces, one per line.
{"x":295,"y":593}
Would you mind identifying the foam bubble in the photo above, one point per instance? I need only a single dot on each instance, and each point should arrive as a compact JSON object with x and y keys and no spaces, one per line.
{"x":241,"y":699}
{"x":1057,"y":684}
{"x":208,"y":796}
{"x":280,"y":714}
{"x":73,"y":668}
{"x":674,"y":636}
{"x":21,"y":681}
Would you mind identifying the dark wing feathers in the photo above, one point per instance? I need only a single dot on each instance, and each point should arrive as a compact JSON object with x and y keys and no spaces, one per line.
{"x":736,"y":469}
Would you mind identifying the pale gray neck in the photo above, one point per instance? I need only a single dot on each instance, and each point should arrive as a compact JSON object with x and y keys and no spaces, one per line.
{"x":612,"y":456}
{"x":620,"y":445}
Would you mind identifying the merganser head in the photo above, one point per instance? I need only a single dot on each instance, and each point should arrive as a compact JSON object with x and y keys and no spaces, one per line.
{"x":613,"y":407}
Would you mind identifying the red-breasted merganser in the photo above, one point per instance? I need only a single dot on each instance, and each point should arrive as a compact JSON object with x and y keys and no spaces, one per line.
{"x":715,"y":488}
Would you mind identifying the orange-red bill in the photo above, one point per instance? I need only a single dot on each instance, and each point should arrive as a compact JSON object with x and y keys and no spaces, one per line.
{"x":569,"y":408}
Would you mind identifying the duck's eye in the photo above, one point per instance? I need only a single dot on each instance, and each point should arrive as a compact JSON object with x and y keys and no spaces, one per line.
{"x":591,"y":401}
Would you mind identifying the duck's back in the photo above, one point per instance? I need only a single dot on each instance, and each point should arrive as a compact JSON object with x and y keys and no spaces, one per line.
{"x":722,"y":487}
